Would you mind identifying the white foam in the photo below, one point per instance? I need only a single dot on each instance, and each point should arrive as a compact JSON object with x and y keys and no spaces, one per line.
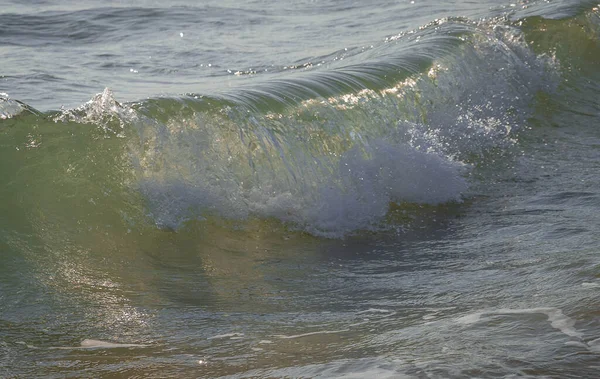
{"x":357,"y":194}
{"x":576,"y":344}
{"x":374,"y":310}
{"x":470,"y":319}
{"x":590,"y":285}
{"x":227,"y":335}
{"x":562,"y":322}
{"x":98,"y":344}
{"x":379,"y":368}
{"x":556,"y":317}
{"x":88,"y":343}
{"x":365,"y":321}
{"x":102,"y":110}
{"x":26,"y":344}
{"x":9,"y":108}
{"x":311,"y":334}
{"x":329,"y":196}
{"x":594,"y":345}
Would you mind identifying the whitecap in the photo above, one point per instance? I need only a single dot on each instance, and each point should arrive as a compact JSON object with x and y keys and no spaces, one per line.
{"x":556,"y":317}
{"x":98,"y":344}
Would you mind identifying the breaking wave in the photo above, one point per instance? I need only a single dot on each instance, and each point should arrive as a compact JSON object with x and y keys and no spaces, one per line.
{"x":323,"y":150}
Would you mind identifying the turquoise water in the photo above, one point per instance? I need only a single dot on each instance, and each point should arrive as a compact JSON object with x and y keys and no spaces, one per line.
{"x":316,"y":189}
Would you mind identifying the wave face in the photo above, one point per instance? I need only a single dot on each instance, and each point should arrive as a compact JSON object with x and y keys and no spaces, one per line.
{"x":331,"y":150}
{"x":326,"y":150}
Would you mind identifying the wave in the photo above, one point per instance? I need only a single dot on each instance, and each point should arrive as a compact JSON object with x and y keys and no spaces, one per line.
{"x":326,"y":151}
{"x":10,"y":108}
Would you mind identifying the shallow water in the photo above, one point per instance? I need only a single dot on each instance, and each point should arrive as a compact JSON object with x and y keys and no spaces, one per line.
{"x":300,"y":190}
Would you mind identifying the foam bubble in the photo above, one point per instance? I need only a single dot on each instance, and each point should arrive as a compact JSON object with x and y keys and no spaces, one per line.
{"x":227,"y":335}
{"x":356,"y":194}
{"x":590,"y":285}
{"x":91,"y":344}
{"x":311,"y":334}
{"x":556,"y":317}
{"x":374,"y":310}
{"x":346,"y":369}
{"x":98,"y":344}
{"x":10,"y":108}
{"x":102,"y":110}
{"x":470,"y":319}
{"x":594,"y":345}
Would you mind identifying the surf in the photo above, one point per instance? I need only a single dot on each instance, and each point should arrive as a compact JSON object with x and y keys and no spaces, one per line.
{"x":324,"y":150}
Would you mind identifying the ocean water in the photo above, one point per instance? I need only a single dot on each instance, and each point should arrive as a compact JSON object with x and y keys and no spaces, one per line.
{"x":309,"y":189}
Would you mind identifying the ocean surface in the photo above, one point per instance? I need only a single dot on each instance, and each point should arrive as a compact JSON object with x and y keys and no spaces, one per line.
{"x":300,"y":189}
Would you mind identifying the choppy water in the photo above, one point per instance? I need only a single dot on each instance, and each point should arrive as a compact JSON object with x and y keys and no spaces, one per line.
{"x":307,"y":189}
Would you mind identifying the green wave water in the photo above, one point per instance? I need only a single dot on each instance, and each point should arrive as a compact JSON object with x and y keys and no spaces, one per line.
{"x":226,"y":213}
{"x":415,"y":108}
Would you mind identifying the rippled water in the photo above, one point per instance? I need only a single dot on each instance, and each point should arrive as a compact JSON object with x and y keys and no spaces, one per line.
{"x":316,"y":189}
